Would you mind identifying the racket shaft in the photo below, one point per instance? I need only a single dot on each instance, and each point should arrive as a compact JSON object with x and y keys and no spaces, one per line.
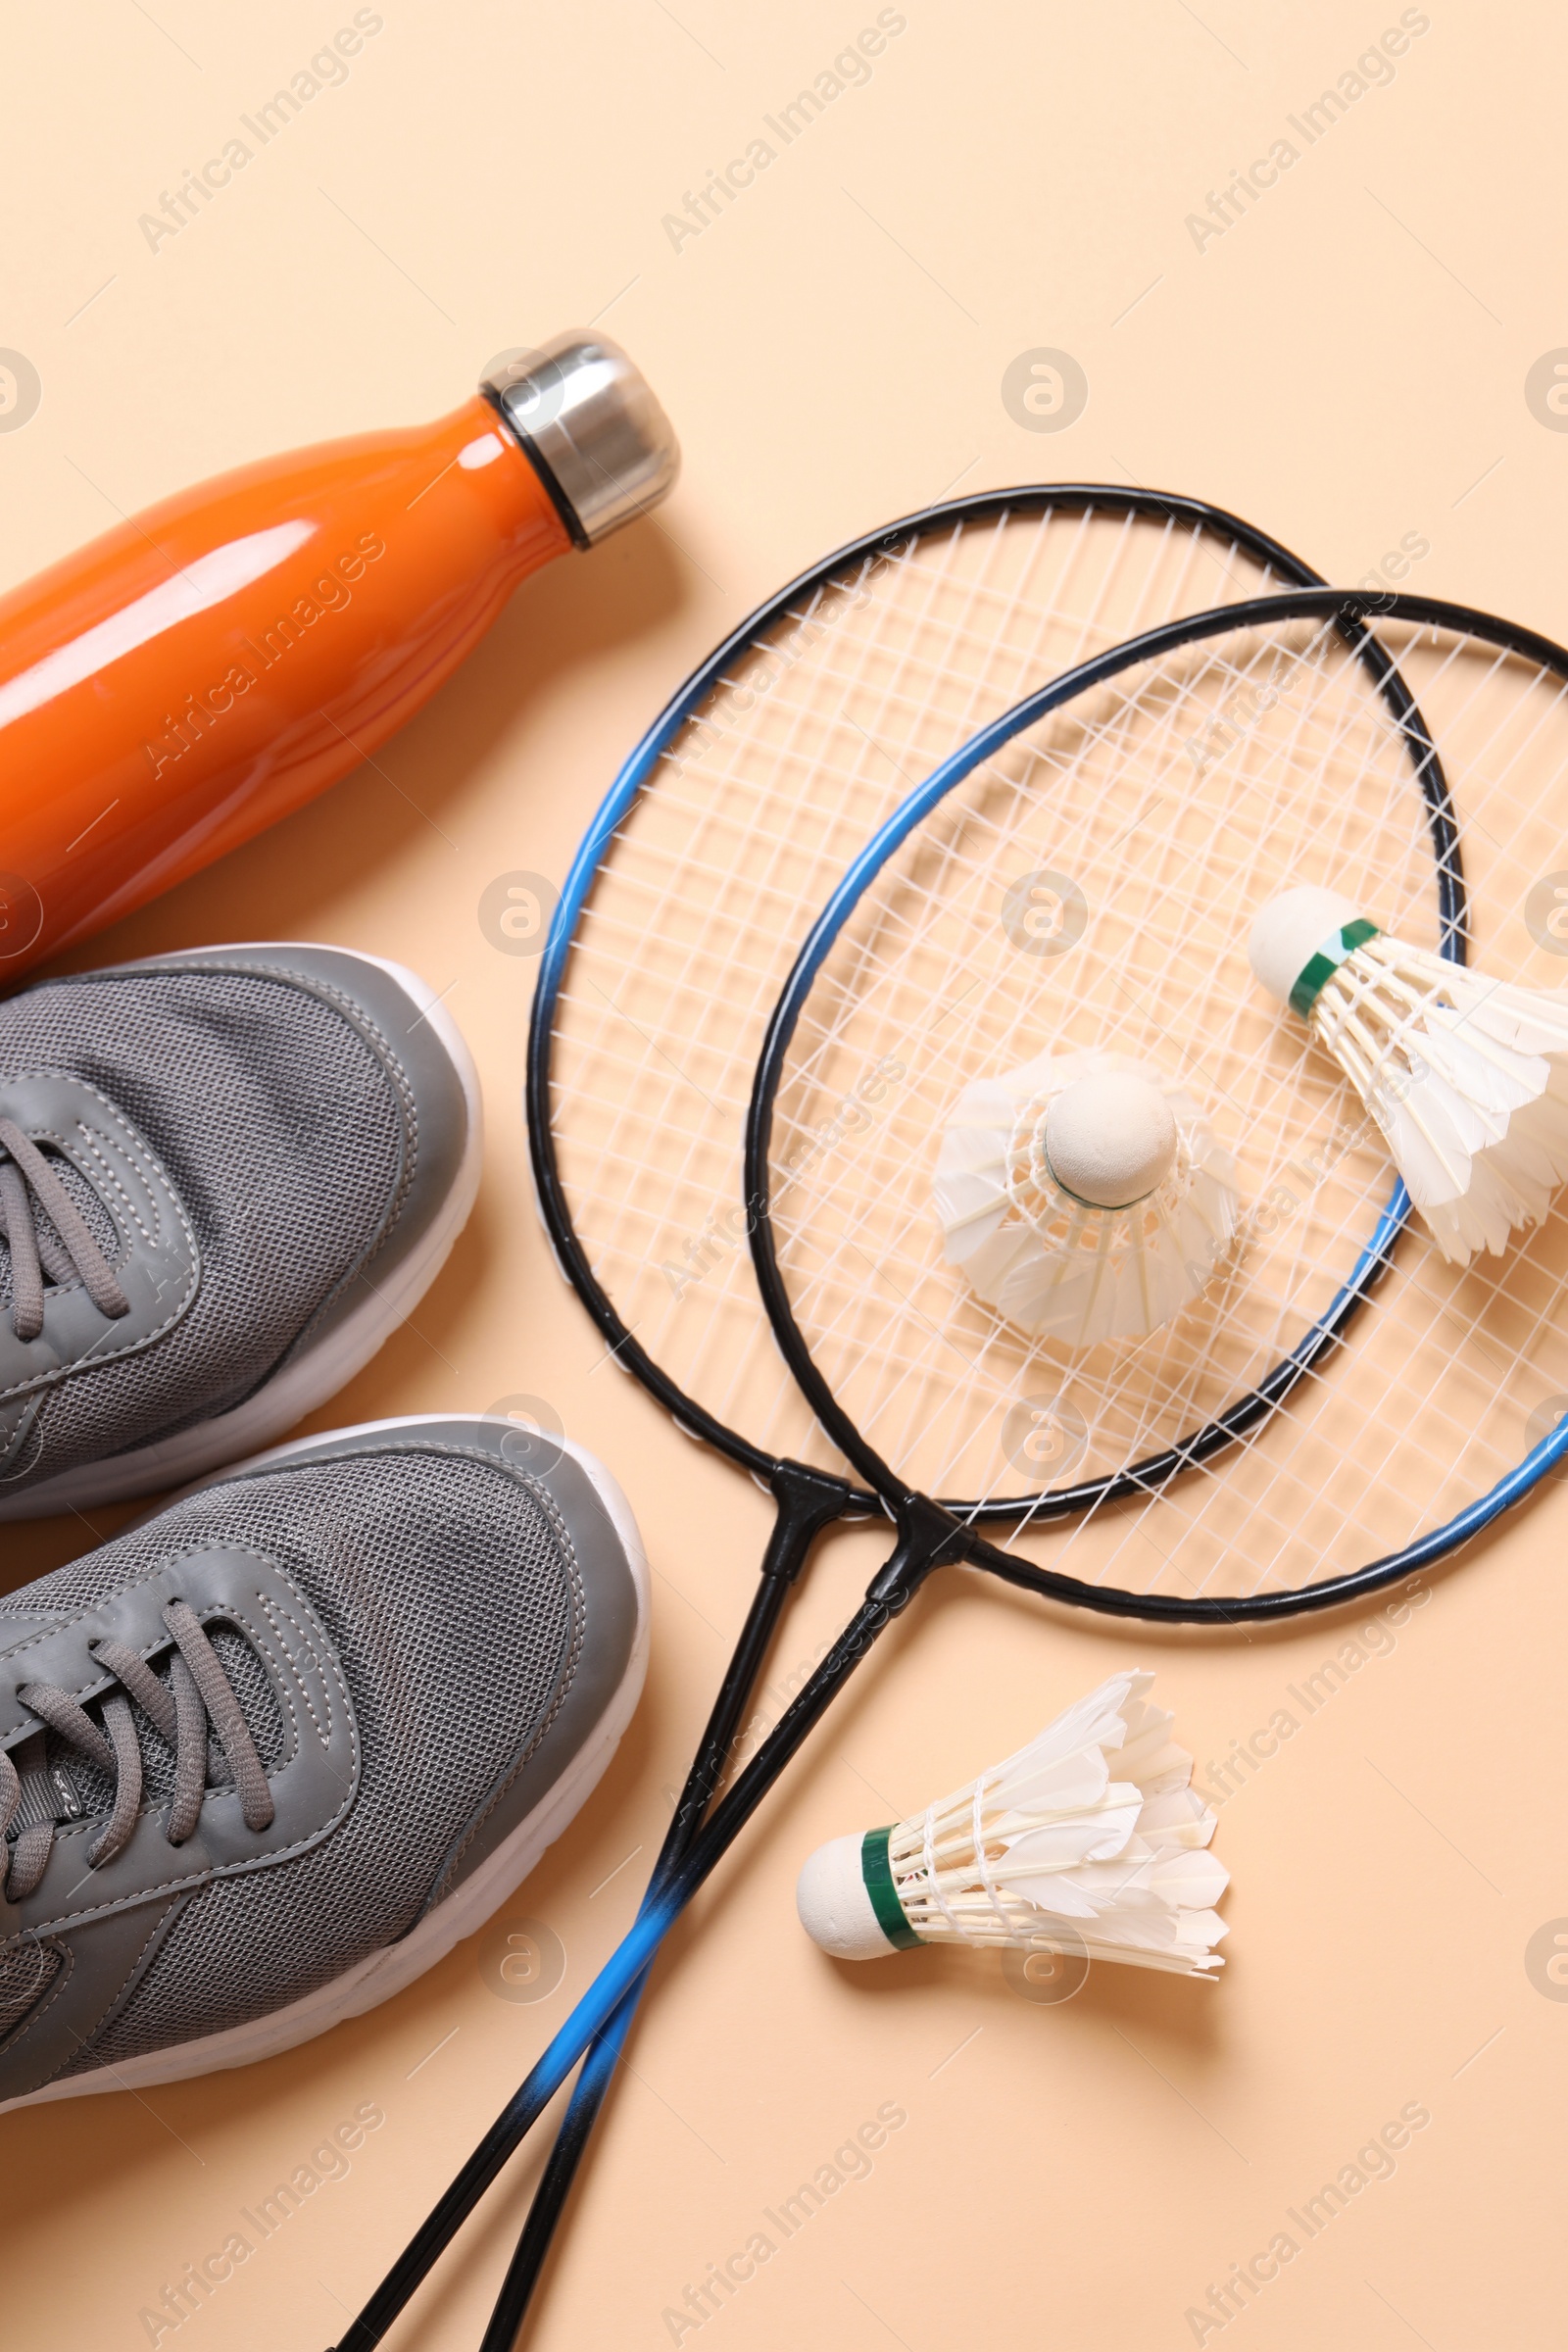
{"x":805,"y":1505}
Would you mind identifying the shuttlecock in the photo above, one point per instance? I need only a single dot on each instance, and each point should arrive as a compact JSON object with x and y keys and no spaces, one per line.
{"x":1467,"y":1077}
{"x":1047,"y":1839}
{"x":1084,"y":1196}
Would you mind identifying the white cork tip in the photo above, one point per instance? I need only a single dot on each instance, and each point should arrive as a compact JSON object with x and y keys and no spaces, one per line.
{"x":834,"y":1906}
{"x":1289,"y":933}
{"x":1111,"y":1140}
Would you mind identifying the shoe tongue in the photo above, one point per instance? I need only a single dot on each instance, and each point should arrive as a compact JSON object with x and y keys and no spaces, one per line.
{"x":100,"y":1224}
{"x":52,"y":1777}
{"x":60,"y":1783}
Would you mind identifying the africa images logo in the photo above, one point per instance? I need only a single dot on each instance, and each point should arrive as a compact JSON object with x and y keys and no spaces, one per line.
{"x":1373,"y":70}
{"x":851,"y":70}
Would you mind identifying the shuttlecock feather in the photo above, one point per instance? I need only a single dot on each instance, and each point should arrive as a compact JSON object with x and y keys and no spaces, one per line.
{"x":1466,"y":1077}
{"x":1084,"y":1196}
{"x":1093,"y":1824}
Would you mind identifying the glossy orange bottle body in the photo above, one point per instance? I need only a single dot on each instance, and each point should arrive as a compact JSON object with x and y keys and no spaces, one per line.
{"x":195,"y":674}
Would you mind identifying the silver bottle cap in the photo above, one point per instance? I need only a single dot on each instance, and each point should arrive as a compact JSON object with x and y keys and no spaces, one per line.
{"x":600,"y":440}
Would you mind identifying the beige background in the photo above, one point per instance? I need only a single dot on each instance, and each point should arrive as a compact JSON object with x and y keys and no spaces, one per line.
{"x":1345,"y":365}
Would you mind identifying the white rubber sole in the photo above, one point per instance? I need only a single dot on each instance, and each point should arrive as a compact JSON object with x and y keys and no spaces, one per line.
{"x":321,"y":1371}
{"x":382,"y":1973}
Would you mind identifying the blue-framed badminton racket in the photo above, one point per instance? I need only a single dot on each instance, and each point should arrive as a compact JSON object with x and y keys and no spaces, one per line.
{"x":1358,"y":709}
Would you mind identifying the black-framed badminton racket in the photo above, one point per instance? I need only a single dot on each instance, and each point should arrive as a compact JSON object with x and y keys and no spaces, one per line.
{"x":401,"y":2282}
{"x":792,"y":740}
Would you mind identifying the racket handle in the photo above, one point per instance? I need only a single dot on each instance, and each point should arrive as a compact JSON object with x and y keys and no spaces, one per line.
{"x":928,"y":1537}
{"x":588,"y":2096}
{"x":620,"y":1972}
{"x":210,"y":665}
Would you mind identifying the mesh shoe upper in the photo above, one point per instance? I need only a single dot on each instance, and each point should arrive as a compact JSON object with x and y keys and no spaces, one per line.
{"x":284,"y":1125}
{"x":473,"y":1620}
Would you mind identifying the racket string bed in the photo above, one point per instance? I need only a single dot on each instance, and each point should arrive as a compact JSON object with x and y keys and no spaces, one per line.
{"x":809,"y":896}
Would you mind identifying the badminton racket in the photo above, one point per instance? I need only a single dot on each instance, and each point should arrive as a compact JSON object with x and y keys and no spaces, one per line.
{"x":737,"y":819}
{"x":843,"y":688}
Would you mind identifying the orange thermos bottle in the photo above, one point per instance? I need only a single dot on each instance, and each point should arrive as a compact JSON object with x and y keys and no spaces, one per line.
{"x":197,"y":673}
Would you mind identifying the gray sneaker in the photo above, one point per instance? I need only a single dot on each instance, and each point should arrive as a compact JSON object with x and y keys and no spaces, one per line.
{"x":268,"y":1755}
{"x":225,"y":1177}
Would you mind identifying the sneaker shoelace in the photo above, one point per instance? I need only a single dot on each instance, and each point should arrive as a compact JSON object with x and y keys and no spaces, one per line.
{"x":198,"y":1693}
{"x":64,"y":1247}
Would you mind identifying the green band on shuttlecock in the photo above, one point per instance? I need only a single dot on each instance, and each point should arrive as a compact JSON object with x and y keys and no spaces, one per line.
{"x":1321,"y":967}
{"x":1101,"y":1209}
{"x":877,"y":1872}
